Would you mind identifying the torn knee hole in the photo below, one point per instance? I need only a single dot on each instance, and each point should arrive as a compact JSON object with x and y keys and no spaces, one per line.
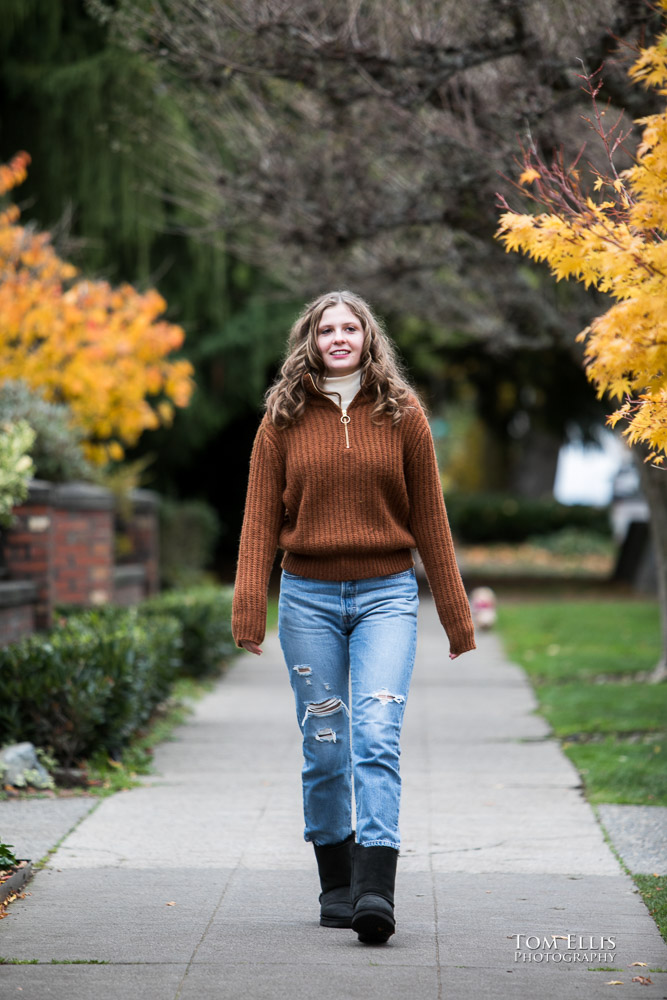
{"x":302,"y":669}
{"x":385,"y":697}
{"x":325,"y":736}
{"x":326,"y":707}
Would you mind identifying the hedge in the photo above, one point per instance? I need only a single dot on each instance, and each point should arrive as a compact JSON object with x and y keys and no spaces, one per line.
{"x":500,"y":517}
{"x":88,"y":684}
{"x":95,"y":679}
{"x":205,"y":617}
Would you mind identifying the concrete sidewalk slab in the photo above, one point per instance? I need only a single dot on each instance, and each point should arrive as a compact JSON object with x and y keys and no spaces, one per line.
{"x":34,"y":826}
{"x":84,"y":982}
{"x":497,"y":842}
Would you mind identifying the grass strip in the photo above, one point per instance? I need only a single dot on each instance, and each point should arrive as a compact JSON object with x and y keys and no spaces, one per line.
{"x":604,"y":708}
{"x":583,"y":658}
{"x":654,"y":893}
{"x":575,"y":641}
{"x":620,"y":771}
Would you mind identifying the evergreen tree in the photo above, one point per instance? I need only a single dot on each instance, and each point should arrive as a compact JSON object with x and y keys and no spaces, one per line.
{"x":88,"y":111}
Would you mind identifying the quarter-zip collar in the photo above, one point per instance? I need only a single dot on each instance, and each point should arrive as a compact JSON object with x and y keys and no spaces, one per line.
{"x":343,"y":388}
{"x":325,"y":398}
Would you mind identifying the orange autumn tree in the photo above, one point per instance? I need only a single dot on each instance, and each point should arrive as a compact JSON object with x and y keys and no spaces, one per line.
{"x":614,"y":238}
{"x":103,"y":351}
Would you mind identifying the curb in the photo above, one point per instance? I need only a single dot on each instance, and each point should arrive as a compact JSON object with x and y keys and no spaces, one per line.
{"x":15,"y":881}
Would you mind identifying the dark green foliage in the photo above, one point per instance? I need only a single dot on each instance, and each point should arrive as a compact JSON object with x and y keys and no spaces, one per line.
{"x":57,"y":451}
{"x":107,"y":136}
{"x":499,"y":517}
{"x":205,"y":617}
{"x":189,"y":530}
{"x":89,"y":684}
{"x":572,"y":541}
{"x":7,"y":857}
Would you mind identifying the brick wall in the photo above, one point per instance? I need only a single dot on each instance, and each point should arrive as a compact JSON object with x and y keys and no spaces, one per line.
{"x":143,"y":530}
{"x":63,"y":546}
{"x":29,"y":548}
{"x":83,"y":556}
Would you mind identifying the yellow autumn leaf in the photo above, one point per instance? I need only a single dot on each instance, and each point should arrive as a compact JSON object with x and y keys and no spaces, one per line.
{"x":618,"y":248}
{"x":528,"y":176}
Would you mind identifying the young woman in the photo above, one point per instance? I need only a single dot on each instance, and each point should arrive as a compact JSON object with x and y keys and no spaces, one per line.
{"x":343,"y":478}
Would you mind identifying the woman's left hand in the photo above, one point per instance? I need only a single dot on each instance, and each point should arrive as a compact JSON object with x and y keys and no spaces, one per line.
{"x":452,"y":656}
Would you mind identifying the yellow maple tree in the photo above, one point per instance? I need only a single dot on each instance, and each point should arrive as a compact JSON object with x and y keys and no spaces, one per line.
{"x":103,"y":350}
{"x":613,"y":238}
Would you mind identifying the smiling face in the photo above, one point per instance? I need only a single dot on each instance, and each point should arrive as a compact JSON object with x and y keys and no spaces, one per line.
{"x":340,"y":339}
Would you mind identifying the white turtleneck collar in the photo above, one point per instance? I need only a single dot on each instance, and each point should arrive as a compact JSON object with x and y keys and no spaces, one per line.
{"x":344,"y":386}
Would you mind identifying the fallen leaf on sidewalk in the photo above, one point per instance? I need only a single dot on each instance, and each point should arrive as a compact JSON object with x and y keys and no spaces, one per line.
{"x":644,"y":980}
{"x":615,"y":982}
{"x":645,"y":964}
{"x":172,"y":903}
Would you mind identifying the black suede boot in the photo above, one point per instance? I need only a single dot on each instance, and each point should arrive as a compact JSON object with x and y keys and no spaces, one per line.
{"x":373,"y":880}
{"x":334,"y":862}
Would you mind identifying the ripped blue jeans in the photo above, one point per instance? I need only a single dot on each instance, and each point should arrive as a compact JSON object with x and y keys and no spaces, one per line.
{"x":350,"y":648}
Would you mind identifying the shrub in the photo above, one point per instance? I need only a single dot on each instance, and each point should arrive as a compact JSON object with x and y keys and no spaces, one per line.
{"x":189,"y":530}
{"x":7,"y":856}
{"x":498,"y":517}
{"x":205,"y":617}
{"x":88,"y":684}
{"x":15,"y":467}
{"x":574,"y":542}
{"x":58,"y":448}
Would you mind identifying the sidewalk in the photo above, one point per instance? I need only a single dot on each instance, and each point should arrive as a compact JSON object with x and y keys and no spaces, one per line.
{"x":198,"y":885}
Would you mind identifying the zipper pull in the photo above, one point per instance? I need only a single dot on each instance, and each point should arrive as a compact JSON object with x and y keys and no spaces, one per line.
{"x":345,"y":419}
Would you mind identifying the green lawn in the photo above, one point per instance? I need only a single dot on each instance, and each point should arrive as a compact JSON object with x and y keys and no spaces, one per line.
{"x":568,"y":640}
{"x":617,"y":770}
{"x":272,"y":613}
{"x":654,"y":892}
{"x":580,"y":707}
{"x":584,"y":658}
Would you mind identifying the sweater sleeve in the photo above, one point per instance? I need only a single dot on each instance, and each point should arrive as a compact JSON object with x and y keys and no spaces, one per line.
{"x":430,"y":527}
{"x":262,"y":521}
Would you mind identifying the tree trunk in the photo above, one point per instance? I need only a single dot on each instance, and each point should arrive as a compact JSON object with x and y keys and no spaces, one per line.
{"x":535,"y":464}
{"x":654,"y":486}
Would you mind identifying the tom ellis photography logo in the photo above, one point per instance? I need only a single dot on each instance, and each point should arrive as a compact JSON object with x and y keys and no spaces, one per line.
{"x":566,"y":948}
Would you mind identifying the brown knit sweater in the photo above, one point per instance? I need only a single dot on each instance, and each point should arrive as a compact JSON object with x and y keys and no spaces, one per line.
{"x":346,"y":507}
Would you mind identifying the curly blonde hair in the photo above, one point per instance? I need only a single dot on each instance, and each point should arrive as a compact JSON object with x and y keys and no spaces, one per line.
{"x":380,"y":369}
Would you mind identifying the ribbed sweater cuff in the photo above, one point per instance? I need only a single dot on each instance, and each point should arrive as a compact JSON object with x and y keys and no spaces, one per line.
{"x":463,"y":642}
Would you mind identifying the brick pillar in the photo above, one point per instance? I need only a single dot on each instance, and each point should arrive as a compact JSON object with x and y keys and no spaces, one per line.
{"x":17,"y":609}
{"x":29,"y":548}
{"x":83,"y":544}
{"x":143,"y":530}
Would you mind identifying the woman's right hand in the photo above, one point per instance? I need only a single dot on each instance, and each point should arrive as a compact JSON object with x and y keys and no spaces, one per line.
{"x":252,"y":647}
